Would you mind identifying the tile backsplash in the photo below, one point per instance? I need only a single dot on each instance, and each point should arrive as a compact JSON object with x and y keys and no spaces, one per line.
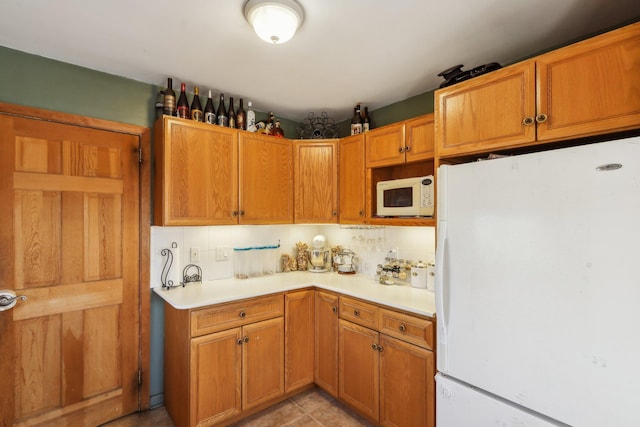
{"x":371,"y":245}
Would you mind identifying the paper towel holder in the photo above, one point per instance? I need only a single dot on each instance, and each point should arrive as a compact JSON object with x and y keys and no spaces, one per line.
{"x":168,"y":263}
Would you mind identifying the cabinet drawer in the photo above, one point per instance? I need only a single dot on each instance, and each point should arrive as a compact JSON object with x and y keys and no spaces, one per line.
{"x":359,"y":312}
{"x":220,"y":317}
{"x":408,"y":328}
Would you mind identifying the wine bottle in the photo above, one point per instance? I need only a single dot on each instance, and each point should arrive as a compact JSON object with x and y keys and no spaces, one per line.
{"x":196,"y":107}
{"x":209,"y":111}
{"x":183,"y":104}
{"x":356,"y":121}
{"x":232,"y":114}
{"x":241,"y":117}
{"x":159,"y":104}
{"x":277,"y":130}
{"x":366,"y":122}
{"x":271,"y":121}
{"x":223,"y":119}
{"x":251,"y":118}
{"x":169,"y":100}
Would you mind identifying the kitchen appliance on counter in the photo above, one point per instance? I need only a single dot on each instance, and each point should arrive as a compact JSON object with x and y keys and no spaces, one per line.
{"x":319,"y":255}
{"x":345,"y":261}
{"x":537,"y":289}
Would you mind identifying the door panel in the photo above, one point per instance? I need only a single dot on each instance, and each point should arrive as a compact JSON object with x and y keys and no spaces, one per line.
{"x":72,"y":195}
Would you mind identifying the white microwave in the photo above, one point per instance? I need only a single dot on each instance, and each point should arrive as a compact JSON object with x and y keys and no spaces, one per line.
{"x":406,"y":197}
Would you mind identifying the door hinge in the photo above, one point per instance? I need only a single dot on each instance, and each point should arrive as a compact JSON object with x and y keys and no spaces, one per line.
{"x":140,"y":155}
{"x":139,"y":376}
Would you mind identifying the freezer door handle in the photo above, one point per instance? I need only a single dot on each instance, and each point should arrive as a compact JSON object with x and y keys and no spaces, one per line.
{"x":441,"y":291}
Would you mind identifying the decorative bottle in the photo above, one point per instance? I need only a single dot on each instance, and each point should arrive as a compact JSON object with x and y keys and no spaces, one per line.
{"x":222,"y":118}
{"x":356,"y":121}
{"x":241,"y":117}
{"x":232,"y":113}
{"x":251,"y":118}
{"x":183,"y":104}
{"x":169,"y":101}
{"x":209,"y":111}
{"x":196,"y":107}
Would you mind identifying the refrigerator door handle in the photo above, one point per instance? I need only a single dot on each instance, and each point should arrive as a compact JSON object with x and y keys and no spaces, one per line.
{"x":441,"y":296}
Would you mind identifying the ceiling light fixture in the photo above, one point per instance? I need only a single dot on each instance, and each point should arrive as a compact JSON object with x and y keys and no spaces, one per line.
{"x":274,"y":21}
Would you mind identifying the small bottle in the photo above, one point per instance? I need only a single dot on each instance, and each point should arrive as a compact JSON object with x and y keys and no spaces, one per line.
{"x":209,"y":111}
{"x":221,"y":115}
{"x":241,"y":117}
{"x":159,"y":104}
{"x":232,"y":113}
{"x":251,"y":118}
{"x":183,"y":104}
{"x":366,"y":122}
{"x":277,"y":130}
{"x":356,"y":121}
{"x":169,"y":101}
{"x":271,"y":121}
{"x":196,"y":107}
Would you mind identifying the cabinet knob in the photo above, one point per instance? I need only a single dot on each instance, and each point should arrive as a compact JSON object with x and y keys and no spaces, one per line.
{"x":241,"y":213}
{"x":245,"y":339}
{"x":234,"y":213}
{"x":407,"y":148}
{"x":334,"y":213}
{"x":374,"y":346}
{"x":402,"y":328}
{"x":361,"y":213}
{"x":356,"y":313}
{"x":239,"y":341}
{"x":528,"y":121}
{"x":401,"y":149}
{"x":334,"y":309}
{"x":380,"y":348}
{"x":541,"y":118}
{"x":242,"y":314}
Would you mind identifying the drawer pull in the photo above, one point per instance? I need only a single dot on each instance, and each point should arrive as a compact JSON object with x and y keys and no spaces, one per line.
{"x":402,"y":328}
{"x":356,"y":313}
{"x":243,"y":314}
{"x":334,"y":309}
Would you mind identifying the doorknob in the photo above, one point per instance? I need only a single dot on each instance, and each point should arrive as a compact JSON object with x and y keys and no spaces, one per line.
{"x":8,"y":299}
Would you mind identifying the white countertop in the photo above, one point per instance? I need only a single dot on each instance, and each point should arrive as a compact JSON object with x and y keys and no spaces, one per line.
{"x":414,"y":300}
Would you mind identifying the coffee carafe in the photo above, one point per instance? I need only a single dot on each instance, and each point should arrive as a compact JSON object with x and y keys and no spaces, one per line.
{"x":319,"y":255}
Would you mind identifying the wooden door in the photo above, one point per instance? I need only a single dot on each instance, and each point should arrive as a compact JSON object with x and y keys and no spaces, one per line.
{"x":591,"y":87}
{"x":266,"y":179}
{"x":215,"y":377}
{"x":298,"y":344}
{"x":316,"y":181}
{"x":385,"y":146}
{"x":262,"y":362}
{"x":488,"y":112}
{"x":407,"y":385}
{"x":69,"y":242}
{"x":351,"y":177}
{"x":326,"y":342}
{"x":420,"y":136}
{"x":358,"y":368}
{"x":196,"y":180}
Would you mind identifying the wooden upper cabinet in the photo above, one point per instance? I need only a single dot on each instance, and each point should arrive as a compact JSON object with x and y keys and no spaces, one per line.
{"x":196,"y":179}
{"x":316,"y":181}
{"x":266,"y":179}
{"x":590,"y":87}
{"x":419,"y":138}
{"x":487,"y":112}
{"x":385,"y":146}
{"x":351,"y":173}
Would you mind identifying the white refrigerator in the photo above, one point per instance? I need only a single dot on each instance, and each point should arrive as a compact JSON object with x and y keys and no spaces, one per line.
{"x":538,"y":289}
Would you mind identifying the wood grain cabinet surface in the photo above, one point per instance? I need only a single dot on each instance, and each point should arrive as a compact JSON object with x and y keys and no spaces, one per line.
{"x":326,"y":342}
{"x":351,"y":173}
{"x":299,"y":339}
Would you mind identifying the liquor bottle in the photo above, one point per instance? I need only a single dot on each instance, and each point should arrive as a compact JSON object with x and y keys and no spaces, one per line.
{"x":366,"y":122}
{"x":196,"y":107}
{"x":183,"y":104}
{"x":241,"y":117}
{"x":277,"y":130}
{"x":223,"y":119}
{"x":232,"y":114}
{"x":356,"y":121}
{"x":251,"y":118}
{"x":169,"y":101}
{"x":209,"y":111}
{"x":159,"y":104}
{"x":271,"y":121}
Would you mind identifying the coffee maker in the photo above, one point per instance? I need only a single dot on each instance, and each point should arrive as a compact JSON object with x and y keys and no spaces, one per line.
{"x":319,"y":255}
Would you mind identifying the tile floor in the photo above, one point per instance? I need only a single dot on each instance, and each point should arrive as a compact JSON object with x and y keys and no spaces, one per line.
{"x":312,"y":408}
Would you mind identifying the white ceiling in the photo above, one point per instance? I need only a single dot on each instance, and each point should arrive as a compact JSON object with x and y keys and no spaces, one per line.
{"x":374,"y":52}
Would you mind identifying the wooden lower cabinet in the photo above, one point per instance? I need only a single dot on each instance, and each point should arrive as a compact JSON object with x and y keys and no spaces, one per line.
{"x":299,"y":339}
{"x":326,"y":342}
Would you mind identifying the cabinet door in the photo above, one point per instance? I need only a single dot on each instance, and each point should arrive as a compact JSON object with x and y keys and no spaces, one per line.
{"x":266,"y":179}
{"x":591,"y":87}
{"x":326,"y":342}
{"x":316,"y":181}
{"x":352,"y":180}
{"x":358,"y":368}
{"x":419,"y":134}
{"x":262,"y":362}
{"x":196,"y":181}
{"x":298,"y":341}
{"x":407,"y":386}
{"x":385,"y":146}
{"x":487,"y":112}
{"x":214,"y":392}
